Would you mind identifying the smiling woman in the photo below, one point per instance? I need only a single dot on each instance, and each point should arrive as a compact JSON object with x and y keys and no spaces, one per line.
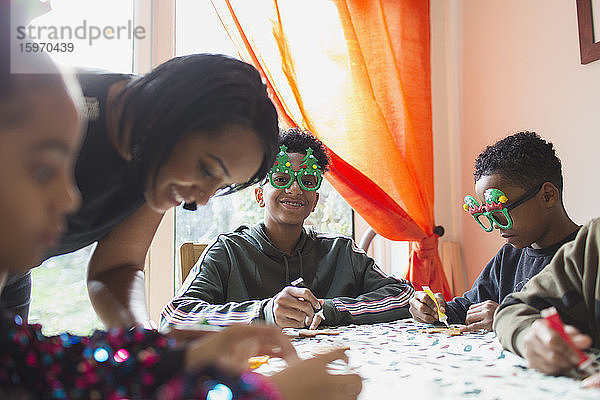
{"x":233,"y":155}
{"x":214,"y":127}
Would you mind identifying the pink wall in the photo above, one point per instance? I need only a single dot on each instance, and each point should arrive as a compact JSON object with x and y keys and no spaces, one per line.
{"x":499,"y":67}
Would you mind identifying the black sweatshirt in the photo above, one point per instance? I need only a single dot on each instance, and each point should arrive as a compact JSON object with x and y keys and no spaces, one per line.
{"x":506,"y":273}
{"x":239,"y":274}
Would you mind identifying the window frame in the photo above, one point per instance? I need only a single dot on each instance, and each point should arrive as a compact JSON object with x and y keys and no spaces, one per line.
{"x":159,"y":15}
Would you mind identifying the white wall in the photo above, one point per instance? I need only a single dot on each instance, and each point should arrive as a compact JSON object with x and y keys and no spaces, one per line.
{"x":499,"y":67}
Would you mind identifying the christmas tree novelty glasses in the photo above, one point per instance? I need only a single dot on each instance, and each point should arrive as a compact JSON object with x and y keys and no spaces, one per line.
{"x":309,"y":176}
{"x":493,"y":211}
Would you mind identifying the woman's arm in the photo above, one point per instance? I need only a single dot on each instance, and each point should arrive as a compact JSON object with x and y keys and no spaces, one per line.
{"x":116,"y":270}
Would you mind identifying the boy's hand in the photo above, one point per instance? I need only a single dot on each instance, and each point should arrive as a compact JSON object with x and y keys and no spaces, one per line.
{"x":592,"y":381}
{"x":316,"y":320}
{"x":480,"y":316}
{"x":423,"y":309}
{"x":293,"y":307}
{"x":547,"y":352}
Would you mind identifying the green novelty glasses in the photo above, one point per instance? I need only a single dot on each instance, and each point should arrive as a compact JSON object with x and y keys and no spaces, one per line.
{"x":493,"y":211}
{"x":309,"y":176}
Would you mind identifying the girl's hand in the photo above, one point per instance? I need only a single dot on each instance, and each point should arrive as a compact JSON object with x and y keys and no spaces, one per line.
{"x":231,"y":348}
{"x":309,"y":379}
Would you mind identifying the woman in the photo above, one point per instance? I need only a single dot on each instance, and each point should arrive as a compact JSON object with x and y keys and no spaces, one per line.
{"x":194,"y":126}
{"x":40,"y":136}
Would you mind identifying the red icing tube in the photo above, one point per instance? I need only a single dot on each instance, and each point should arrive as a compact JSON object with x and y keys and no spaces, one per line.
{"x":550,"y":314}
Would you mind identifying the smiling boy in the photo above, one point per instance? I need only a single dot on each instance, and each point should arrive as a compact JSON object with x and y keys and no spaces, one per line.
{"x":247,"y":275}
{"x":520,"y":182}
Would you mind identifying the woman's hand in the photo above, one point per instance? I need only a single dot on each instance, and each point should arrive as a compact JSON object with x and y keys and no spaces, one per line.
{"x":309,"y":379}
{"x":231,"y":348}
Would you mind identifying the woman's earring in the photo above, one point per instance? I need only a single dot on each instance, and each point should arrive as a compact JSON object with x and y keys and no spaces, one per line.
{"x":190,"y":206}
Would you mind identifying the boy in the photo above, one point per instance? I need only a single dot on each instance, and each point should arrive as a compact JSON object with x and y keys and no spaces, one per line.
{"x":571,"y":284}
{"x":521,"y":181}
{"x":247,"y":275}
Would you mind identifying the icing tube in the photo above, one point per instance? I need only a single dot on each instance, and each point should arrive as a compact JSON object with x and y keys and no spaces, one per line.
{"x":441,"y":316}
{"x":550,"y":314}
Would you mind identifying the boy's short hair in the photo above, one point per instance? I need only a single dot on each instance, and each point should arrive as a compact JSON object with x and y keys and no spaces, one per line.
{"x":524,"y":158}
{"x":298,"y":140}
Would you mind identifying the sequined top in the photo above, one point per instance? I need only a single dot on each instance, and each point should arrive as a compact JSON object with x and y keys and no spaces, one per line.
{"x":118,"y":364}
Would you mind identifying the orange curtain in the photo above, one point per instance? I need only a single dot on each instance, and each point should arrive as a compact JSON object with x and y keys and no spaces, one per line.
{"x":357,"y":75}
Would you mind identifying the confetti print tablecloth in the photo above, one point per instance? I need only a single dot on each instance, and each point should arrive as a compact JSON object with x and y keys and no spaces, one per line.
{"x":397,"y":360}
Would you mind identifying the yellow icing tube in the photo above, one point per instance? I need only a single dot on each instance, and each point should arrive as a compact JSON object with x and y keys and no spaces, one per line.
{"x":441,"y":316}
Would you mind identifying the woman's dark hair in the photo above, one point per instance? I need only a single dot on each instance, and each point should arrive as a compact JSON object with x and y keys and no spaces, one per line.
{"x":195,"y":93}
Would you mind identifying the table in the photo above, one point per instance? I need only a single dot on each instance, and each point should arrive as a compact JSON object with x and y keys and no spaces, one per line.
{"x":397,"y":360}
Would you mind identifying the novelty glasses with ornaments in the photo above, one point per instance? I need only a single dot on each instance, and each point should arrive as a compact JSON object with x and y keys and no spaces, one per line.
{"x":493,"y":211}
{"x":282,"y":175}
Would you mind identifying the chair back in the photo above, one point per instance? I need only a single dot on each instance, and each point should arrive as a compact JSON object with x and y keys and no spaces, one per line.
{"x":190,"y":253}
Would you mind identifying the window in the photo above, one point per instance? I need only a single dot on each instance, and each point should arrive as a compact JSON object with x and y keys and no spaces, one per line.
{"x":101,"y":33}
{"x":59,"y":294}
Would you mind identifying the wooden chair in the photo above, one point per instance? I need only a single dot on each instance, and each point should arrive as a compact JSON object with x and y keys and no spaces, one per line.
{"x":190,"y":253}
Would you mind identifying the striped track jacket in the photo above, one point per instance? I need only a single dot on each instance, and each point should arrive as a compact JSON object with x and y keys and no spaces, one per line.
{"x":239,"y":274}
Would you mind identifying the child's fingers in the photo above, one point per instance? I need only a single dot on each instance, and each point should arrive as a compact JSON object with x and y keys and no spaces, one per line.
{"x":333,"y":355}
{"x":592,"y":381}
{"x":280,"y":345}
{"x":474,"y":316}
{"x":541,"y":361}
{"x":348,"y":386}
{"x":544,"y":358}
{"x":580,"y":340}
{"x":421,"y":308}
{"x":316,"y":321}
{"x":425,"y":299}
{"x":441,"y":302}
{"x":571,"y":330}
{"x":268,"y":338}
{"x":297,"y":304}
{"x":487,"y":325}
{"x":549,"y":347}
{"x":305,"y":294}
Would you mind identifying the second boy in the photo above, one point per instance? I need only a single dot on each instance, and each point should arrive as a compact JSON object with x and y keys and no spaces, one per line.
{"x":519,"y":182}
